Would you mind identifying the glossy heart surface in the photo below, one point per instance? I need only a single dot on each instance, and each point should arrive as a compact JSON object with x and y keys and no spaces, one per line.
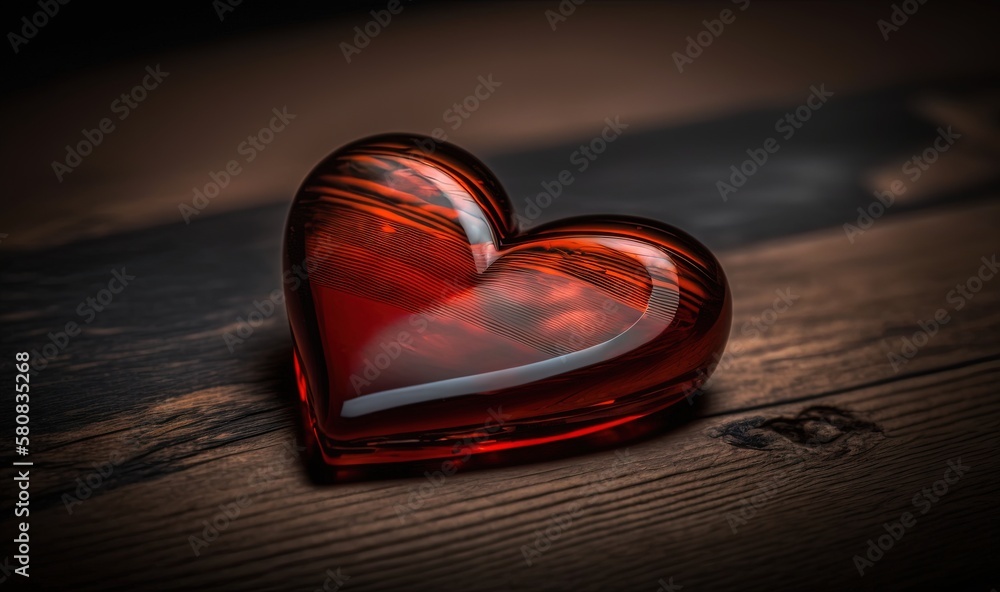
{"x":428,"y":326}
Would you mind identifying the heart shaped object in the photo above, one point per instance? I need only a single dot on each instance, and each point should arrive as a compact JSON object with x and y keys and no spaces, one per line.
{"x":429,"y":327}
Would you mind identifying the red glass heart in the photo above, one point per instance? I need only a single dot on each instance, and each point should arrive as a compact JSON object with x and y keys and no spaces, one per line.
{"x":429,"y":327}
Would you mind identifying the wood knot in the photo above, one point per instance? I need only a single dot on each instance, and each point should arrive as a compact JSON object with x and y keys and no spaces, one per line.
{"x":819,"y":429}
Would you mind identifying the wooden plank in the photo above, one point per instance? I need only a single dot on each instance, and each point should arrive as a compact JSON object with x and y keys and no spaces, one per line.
{"x":811,"y":409}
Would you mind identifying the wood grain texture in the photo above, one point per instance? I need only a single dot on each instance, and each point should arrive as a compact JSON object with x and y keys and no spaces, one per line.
{"x":810,"y":409}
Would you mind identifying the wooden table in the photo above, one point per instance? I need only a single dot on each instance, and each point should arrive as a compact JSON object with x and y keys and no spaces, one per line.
{"x":146,"y":427}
